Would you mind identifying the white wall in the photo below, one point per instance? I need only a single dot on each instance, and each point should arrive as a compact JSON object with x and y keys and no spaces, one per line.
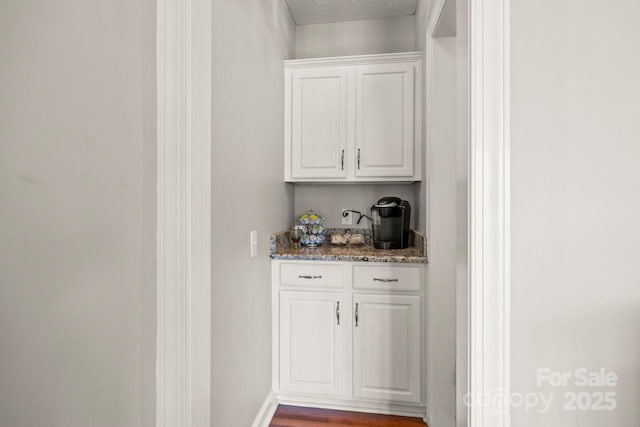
{"x":370,"y":36}
{"x":248,"y":194}
{"x":575,"y":201}
{"x":441,"y":230}
{"x":330,"y":199}
{"x":77,"y":201}
{"x":421,"y":187}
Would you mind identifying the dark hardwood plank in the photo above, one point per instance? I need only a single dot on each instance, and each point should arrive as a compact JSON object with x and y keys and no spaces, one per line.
{"x":295,"y":416}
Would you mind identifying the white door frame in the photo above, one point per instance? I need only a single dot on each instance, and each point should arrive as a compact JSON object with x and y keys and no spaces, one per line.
{"x":483,"y":306}
{"x":183,"y":369}
{"x":489,"y":212}
{"x":183,"y":397}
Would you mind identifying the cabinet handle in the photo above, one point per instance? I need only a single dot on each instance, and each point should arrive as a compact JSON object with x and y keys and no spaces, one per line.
{"x":338,"y":312}
{"x":378,"y":279}
{"x":309,"y":277}
{"x":358,"y":158}
{"x":342,"y":160}
{"x":356,"y":315}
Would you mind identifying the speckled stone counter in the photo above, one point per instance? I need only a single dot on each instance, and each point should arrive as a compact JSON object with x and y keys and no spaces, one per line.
{"x":416,"y":252}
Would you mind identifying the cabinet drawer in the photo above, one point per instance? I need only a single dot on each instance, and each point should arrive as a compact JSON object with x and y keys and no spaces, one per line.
{"x":313,"y":275}
{"x":387,"y":278}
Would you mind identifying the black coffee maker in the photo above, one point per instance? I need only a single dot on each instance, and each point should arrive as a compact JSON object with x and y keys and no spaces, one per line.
{"x":391,"y":217}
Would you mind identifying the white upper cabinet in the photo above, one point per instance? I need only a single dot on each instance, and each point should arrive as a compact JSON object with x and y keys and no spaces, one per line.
{"x":319,"y":123}
{"x":353,"y":119}
{"x":384,"y":123}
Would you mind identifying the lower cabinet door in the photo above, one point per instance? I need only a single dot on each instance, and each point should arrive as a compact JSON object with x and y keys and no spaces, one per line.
{"x":386,"y":348}
{"x":312,"y":344}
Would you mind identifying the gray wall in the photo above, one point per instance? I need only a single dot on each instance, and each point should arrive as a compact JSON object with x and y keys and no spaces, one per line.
{"x":248,"y":194}
{"x":575,"y":201}
{"x":356,"y":37}
{"x":77,"y":201}
{"x":330,"y":199}
{"x":441,"y":230}
{"x":462,"y":194}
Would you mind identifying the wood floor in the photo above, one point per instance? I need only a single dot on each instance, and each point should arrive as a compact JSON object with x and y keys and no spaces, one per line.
{"x":293,"y":416}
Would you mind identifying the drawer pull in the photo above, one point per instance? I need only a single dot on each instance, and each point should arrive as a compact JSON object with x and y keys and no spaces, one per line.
{"x":378,"y":279}
{"x":309,"y":277}
{"x":338,"y":311}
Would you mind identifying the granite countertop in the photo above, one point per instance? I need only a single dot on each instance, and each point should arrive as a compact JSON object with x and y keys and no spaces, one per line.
{"x":415,"y":253}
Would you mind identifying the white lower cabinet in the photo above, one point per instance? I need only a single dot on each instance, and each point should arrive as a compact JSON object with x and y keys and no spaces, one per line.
{"x":311,"y":342}
{"x":386,"y":347}
{"x":348,"y":342}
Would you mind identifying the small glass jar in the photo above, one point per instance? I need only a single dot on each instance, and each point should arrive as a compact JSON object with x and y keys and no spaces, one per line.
{"x":295,"y":235}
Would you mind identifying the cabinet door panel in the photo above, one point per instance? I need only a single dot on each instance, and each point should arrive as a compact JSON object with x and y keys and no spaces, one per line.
{"x":386,"y":348}
{"x":319,"y":123}
{"x":384,"y":128}
{"x":311,"y":343}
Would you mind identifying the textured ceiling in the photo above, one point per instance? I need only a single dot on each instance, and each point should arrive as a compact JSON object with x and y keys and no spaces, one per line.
{"x":319,"y":11}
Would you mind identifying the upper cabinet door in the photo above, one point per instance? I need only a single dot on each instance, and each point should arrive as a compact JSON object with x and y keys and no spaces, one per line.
{"x":385,"y":120}
{"x":318,"y":128}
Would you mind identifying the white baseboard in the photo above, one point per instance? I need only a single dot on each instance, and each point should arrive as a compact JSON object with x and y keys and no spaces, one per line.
{"x":428,"y":415}
{"x":265,"y":414}
{"x":406,"y":410}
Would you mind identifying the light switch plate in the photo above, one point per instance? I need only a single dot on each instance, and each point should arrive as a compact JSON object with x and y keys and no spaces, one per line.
{"x":254,"y":243}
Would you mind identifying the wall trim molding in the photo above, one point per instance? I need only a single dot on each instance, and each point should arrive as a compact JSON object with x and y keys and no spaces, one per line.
{"x":353,"y":60}
{"x":489,"y":209}
{"x":435,"y":17}
{"x":266,"y":412}
{"x":183,"y":347}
